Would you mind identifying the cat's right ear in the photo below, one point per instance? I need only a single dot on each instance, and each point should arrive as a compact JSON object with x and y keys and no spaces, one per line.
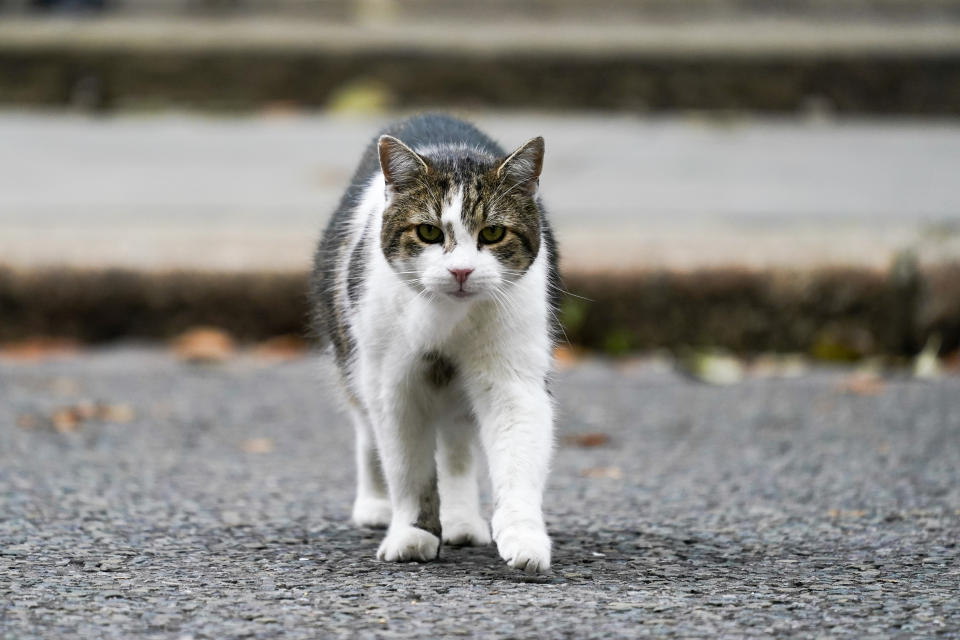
{"x":401,"y":166}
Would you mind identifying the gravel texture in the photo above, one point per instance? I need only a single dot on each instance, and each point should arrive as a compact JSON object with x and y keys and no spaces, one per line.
{"x":775,"y":507}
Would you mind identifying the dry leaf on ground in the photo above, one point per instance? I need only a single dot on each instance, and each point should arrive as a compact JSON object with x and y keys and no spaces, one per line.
{"x":204,"y":345}
{"x":846,"y":513}
{"x":565,"y":357}
{"x":282,"y":109}
{"x":39,"y":348}
{"x":611,"y":473}
{"x":774,"y":365}
{"x":586,"y":440}
{"x":115,"y":413}
{"x":951,"y":363}
{"x":713,"y":367}
{"x":927,"y":366}
{"x":69,"y":419}
{"x":285,"y":347}
{"x":862,"y":384}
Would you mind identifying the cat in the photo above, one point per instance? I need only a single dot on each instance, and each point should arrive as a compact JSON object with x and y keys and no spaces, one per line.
{"x":435,"y":285}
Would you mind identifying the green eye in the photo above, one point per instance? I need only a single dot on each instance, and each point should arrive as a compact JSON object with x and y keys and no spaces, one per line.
{"x":489,"y":235}
{"x":429,"y":233}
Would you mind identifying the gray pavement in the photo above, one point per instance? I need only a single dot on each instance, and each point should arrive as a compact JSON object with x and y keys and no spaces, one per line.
{"x":775,"y":507}
{"x":624,"y":192}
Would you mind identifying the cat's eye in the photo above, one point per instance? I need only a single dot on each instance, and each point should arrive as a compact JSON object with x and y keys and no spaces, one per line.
{"x":491,"y":234}
{"x":429,"y":233}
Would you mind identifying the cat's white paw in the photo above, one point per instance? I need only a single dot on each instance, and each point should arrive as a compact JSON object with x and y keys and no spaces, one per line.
{"x":408,"y":544}
{"x":525,"y":548}
{"x":466,"y":532}
{"x":371,"y":512}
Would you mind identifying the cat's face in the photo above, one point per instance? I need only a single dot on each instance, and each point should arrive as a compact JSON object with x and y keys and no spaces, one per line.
{"x":457,"y":224}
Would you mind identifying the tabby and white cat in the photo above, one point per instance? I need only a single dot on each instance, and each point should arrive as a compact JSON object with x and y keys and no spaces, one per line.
{"x":434,"y":285}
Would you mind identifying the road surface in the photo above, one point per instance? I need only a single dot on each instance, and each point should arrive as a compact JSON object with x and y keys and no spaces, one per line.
{"x":211,"y":502}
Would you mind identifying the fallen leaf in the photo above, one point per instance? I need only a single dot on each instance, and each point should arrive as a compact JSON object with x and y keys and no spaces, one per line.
{"x":778,"y":366}
{"x":611,"y":473}
{"x":587,"y":440}
{"x":39,"y":348}
{"x":565,"y":357}
{"x":927,"y":365}
{"x":846,"y":513}
{"x":862,"y":384}
{"x":952,"y":363}
{"x":115,"y":413}
{"x":363,"y":96}
{"x":204,"y":345}
{"x":285,"y":347}
{"x":69,"y":419}
{"x":282,"y":109}
{"x":257,"y":445}
{"x":842,"y":344}
{"x":713,"y":367}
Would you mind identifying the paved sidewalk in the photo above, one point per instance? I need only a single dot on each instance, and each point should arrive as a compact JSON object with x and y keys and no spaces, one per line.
{"x":211,"y":503}
{"x":154,"y":192}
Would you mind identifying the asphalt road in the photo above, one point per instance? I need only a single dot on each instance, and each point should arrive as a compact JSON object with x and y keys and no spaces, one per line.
{"x":211,"y":502}
{"x":155,"y":191}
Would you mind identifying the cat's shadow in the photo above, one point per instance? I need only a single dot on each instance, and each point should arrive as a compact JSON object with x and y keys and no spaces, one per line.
{"x":596,"y":556}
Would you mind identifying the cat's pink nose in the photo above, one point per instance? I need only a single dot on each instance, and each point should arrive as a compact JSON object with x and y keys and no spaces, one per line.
{"x":460,"y":274}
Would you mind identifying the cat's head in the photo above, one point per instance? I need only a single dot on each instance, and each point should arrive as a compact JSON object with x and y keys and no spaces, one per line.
{"x":459,"y":223}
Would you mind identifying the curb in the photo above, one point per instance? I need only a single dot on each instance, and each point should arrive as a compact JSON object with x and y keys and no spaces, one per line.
{"x":239,"y":66}
{"x":833,"y":314}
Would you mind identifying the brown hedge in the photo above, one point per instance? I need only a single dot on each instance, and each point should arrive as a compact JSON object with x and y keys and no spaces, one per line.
{"x":833,"y":313}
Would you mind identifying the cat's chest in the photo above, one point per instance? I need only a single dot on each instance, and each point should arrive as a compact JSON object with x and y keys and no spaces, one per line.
{"x":414,"y":335}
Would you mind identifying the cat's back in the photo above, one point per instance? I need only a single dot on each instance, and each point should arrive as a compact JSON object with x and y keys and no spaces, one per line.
{"x":439,"y":131}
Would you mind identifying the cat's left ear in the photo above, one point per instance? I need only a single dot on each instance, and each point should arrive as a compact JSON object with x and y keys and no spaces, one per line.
{"x":400,"y":164}
{"x":523,"y":166}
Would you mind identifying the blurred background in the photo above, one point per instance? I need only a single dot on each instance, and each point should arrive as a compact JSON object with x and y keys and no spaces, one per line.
{"x":725,"y":176}
{"x":760,"y":195}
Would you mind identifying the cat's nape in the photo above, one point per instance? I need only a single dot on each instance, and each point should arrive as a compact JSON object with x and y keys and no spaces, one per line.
{"x":435,"y":286}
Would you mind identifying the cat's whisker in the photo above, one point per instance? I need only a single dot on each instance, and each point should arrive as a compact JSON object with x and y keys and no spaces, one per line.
{"x":556,"y":288}
{"x":510,"y":304}
{"x":501,"y":304}
{"x":559,"y":325}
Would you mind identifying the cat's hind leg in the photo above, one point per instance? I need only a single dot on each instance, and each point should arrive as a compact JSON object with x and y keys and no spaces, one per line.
{"x":463,"y":524}
{"x":371,"y":508}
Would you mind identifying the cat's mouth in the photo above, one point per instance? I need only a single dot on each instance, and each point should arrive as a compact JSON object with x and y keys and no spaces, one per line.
{"x":462,"y":294}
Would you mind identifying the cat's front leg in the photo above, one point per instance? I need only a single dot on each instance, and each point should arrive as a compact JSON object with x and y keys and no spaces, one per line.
{"x":516,"y":428}
{"x":406,"y":444}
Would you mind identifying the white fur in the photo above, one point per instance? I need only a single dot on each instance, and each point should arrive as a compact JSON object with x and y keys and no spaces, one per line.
{"x":498,"y":338}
